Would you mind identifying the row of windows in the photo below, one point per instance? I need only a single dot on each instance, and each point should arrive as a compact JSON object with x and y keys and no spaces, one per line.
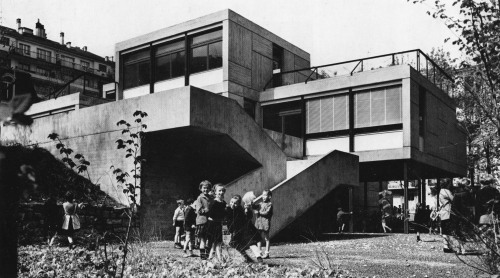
{"x":375,"y":107}
{"x":205,"y":53}
{"x":66,"y":61}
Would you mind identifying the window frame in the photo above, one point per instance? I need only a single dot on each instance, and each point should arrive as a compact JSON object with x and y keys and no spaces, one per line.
{"x":136,"y":61}
{"x":43,"y":54}
{"x":170,"y":54}
{"x":25,"y":49}
{"x":205,"y":44}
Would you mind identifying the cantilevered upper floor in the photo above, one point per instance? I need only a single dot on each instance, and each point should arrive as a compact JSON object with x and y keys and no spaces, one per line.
{"x":221,"y":52}
{"x":394,"y":110}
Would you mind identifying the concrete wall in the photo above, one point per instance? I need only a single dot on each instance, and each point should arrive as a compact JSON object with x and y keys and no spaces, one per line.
{"x":444,"y":139}
{"x":93,"y":131}
{"x":294,"y":196}
{"x":292,"y":146}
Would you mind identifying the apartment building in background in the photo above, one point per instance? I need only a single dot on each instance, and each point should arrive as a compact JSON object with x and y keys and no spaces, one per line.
{"x":56,"y":68}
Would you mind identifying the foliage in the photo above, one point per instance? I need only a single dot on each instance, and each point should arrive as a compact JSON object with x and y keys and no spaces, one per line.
{"x":477,"y":25}
{"x":42,"y":261}
{"x":130,"y":181}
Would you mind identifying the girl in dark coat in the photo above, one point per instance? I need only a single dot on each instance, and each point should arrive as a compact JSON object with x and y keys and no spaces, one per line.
{"x":244,"y":235}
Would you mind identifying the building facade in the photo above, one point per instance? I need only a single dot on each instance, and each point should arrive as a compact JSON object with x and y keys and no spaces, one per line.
{"x":231,"y":102}
{"x":56,"y":68}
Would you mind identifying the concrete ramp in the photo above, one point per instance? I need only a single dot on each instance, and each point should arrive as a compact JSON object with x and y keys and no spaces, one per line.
{"x":294,"y":196}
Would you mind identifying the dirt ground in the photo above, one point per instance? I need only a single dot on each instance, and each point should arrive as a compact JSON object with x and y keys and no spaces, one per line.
{"x":371,"y":255}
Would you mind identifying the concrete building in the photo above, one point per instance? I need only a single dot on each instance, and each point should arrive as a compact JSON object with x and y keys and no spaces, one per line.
{"x":231,"y":102}
{"x":56,"y":68}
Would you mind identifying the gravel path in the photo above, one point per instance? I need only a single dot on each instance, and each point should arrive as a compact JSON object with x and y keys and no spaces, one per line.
{"x":392,"y":255}
{"x":368,"y":255}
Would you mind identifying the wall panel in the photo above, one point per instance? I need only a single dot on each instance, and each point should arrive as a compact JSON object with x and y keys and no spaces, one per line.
{"x":240,"y":46}
{"x":262,"y":71}
{"x":262,"y":46}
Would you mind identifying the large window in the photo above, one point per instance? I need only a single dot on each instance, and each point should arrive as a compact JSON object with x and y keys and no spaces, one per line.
{"x":68,"y":61}
{"x":43,"y":54}
{"x":375,"y":107}
{"x":284,"y":118}
{"x":136,"y":70}
{"x":206,"y":51}
{"x":85,"y":65}
{"x":327,"y":114}
{"x":169,"y":60}
{"x":25,"y":49}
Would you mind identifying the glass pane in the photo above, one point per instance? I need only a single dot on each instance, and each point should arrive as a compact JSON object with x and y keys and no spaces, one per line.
{"x":293,"y":125}
{"x":215,"y":55}
{"x":313,"y":116}
{"x":362,"y":109}
{"x":178,"y":62}
{"x":199,"y":59}
{"x":393,"y":103}
{"x":207,"y":37}
{"x":326,"y":114}
{"x":136,"y":56}
{"x":163,"y":67}
{"x":136,"y":74}
{"x":378,"y":107}
{"x":170,"y":47}
{"x":341,"y":112}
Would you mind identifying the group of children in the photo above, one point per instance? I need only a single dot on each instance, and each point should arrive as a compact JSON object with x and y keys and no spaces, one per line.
{"x":205,"y":218}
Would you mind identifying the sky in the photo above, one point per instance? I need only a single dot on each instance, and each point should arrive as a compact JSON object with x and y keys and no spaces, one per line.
{"x":331,"y":31}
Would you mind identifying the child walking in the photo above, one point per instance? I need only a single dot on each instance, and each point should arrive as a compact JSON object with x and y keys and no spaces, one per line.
{"x":202,"y":207}
{"x":189,"y":227}
{"x":263,"y":220}
{"x":178,"y":223}
{"x":216,"y":217}
{"x":71,"y":220}
{"x":244,"y":235}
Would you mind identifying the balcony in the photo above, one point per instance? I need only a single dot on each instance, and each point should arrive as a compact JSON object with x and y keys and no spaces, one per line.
{"x":414,"y":58}
{"x":48,"y":59}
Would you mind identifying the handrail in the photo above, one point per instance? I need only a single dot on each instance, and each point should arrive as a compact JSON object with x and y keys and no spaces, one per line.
{"x":360,"y":62}
{"x":58,"y":91}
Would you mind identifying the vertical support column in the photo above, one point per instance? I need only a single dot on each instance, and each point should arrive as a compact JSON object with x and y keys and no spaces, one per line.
{"x":405,"y":213}
{"x":186,"y":60}
{"x":419,"y":190}
{"x":351,"y":121}
{"x":438,"y":187}
{"x":152,"y":72}
{"x":424,"y":192}
{"x":351,"y":222}
{"x":365,"y":196}
{"x":303,"y":123}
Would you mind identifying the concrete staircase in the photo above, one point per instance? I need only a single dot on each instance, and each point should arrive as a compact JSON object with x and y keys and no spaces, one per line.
{"x":308,"y":181}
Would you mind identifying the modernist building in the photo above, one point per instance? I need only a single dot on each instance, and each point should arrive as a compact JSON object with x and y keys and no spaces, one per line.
{"x":56,"y":68}
{"x":231,"y":102}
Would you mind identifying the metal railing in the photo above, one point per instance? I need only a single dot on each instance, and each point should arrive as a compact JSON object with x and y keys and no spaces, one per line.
{"x":76,"y":85}
{"x":54,"y":60}
{"x":415,"y":58}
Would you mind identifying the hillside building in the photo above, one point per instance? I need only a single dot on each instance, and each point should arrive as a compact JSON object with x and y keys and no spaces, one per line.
{"x":231,"y":102}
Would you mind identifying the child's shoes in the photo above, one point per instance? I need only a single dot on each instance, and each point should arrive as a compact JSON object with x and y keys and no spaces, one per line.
{"x":266,"y":255}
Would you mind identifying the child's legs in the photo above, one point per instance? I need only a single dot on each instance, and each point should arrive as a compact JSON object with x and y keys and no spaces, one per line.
{"x":188,"y":241}
{"x":265,"y":236}
{"x":177,"y":237}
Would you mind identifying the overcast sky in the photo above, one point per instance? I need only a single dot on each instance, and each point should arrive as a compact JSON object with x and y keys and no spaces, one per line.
{"x":331,"y":31}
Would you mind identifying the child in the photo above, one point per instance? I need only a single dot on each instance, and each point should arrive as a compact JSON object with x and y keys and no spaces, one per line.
{"x":178,"y":223}
{"x":71,"y":222}
{"x":263,"y":221}
{"x":244,"y":235}
{"x":189,"y":226}
{"x":202,"y":208}
{"x":216,"y":217}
